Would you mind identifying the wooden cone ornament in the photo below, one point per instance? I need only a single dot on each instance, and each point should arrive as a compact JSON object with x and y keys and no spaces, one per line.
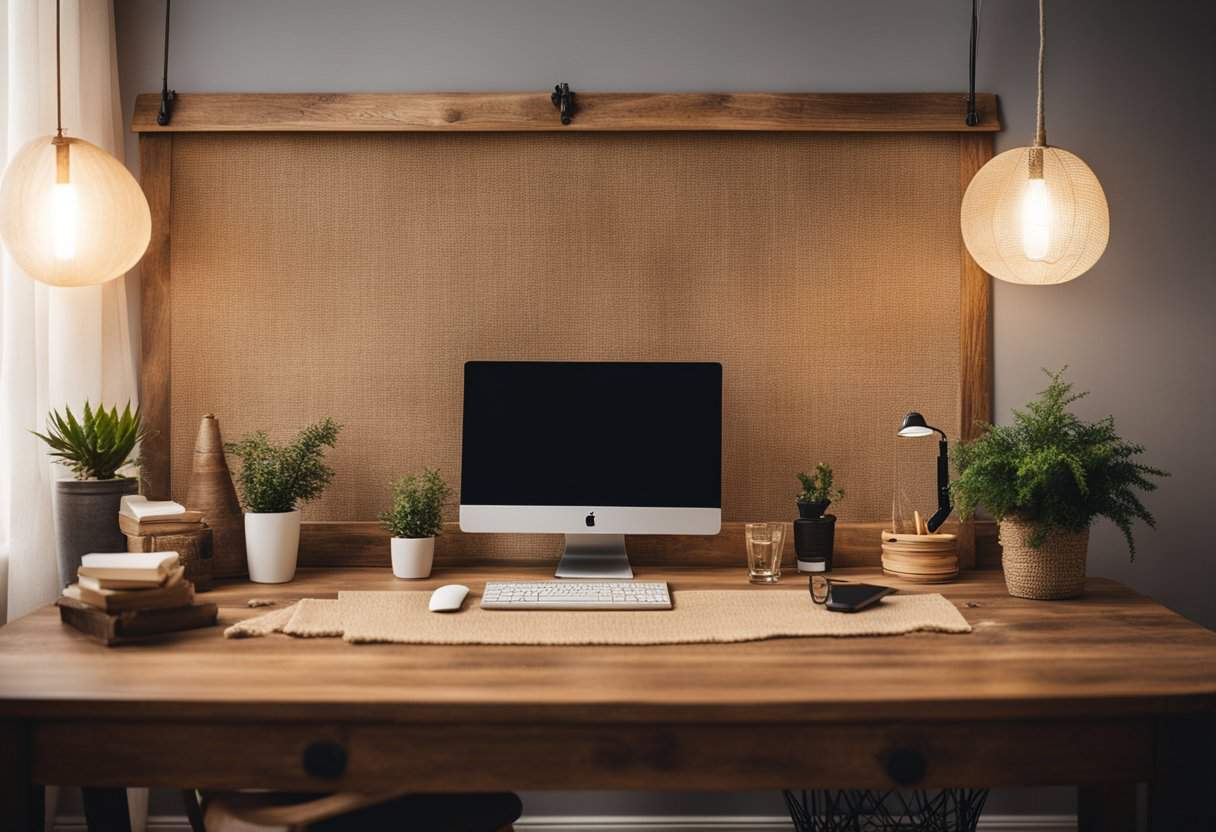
{"x":212,"y":493}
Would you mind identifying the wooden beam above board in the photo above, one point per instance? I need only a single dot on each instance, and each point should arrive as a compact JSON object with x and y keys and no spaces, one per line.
{"x":533,"y":111}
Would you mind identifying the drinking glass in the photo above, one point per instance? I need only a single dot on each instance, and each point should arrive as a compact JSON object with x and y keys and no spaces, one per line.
{"x":764,"y":545}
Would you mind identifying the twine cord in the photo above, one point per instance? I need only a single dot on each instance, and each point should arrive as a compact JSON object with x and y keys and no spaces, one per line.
{"x":1034,"y":158}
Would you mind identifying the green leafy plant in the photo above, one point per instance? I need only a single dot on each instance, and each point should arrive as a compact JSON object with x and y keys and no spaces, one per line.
{"x":96,"y":446}
{"x":817,"y":487}
{"x":1054,"y":470}
{"x":276,"y":478}
{"x":417,"y":505}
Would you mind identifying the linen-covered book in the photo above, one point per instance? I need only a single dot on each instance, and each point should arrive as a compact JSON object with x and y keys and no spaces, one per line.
{"x":120,"y":583}
{"x":117,"y":628}
{"x":118,"y":600}
{"x":130,"y":566}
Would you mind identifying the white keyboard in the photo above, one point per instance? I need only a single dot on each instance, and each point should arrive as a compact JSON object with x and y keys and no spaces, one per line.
{"x":576,"y":595}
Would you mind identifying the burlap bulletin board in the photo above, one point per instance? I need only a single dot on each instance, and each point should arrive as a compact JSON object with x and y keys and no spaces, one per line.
{"x":353,"y":274}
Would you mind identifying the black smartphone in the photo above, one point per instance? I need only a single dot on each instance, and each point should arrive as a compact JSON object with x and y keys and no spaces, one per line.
{"x":856,"y":597}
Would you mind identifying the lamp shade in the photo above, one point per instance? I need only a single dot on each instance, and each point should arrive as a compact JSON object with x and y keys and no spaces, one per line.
{"x":86,"y":230}
{"x":1026,"y":228}
{"x":914,"y":425}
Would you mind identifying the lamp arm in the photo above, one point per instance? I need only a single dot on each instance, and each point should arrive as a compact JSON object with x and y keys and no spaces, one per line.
{"x":944,"y":506}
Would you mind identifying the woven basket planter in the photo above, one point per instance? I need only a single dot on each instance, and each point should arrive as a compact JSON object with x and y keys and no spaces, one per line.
{"x":1056,"y":569}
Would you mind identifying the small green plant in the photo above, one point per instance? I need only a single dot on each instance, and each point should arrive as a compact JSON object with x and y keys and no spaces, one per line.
{"x":276,"y":478}
{"x":817,"y":487}
{"x":1054,"y":470}
{"x":95,"y":447}
{"x":417,"y":505}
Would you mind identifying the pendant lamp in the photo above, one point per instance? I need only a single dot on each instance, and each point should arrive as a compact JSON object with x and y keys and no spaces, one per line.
{"x":1036,"y":215}
{"x":70,"y":213}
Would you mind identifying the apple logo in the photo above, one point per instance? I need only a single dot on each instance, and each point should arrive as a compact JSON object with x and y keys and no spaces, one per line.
{"x":591,"y":519}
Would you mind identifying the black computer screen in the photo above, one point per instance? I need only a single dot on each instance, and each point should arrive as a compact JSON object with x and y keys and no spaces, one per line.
{"x":592,"y":434}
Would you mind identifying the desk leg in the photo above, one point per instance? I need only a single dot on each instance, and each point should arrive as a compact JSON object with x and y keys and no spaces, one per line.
{"x":1182,"y":797}
{"x":22,"y":804}
{"x":106,"y":810}
{"x":1107,"y":808}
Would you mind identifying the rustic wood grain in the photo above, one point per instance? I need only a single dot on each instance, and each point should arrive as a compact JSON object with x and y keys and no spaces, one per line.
{"x":647,"y":756}
{"x":1037,"y":694}
{"x":595,"y":111}
{"x":155,"y":175}
{"x":975,"y":344}
{"x":1024,"y":659}
{"x":367,"y":544}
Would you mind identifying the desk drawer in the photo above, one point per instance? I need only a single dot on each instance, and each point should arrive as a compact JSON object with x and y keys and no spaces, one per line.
{"x":685,"y":756}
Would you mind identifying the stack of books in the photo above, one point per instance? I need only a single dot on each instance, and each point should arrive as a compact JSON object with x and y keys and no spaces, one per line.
{"x":141,"y":517}
{"x":163,"y":526}
{"x":118,"y":597}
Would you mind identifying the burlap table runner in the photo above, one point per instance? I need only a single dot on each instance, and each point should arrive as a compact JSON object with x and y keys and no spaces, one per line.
{"x":699,"y":616}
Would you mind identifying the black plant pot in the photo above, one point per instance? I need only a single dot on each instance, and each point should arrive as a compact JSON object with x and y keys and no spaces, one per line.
{"x":810,"y":511}
{"x":86,"y":520}
{"x":814,"y":539}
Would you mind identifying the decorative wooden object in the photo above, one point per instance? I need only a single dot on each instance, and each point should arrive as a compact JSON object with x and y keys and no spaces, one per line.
{"x":920,"y":558}
{"x":229,"y":115}
{"x":196,"y":550}
{"x":596,"y":112}
{"x":212,"y":493}
{"x":363,"y":543}
{"x":975,"y":295}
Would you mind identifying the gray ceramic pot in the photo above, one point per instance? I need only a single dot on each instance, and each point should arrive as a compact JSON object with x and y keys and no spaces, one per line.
{"x":86,"y":520}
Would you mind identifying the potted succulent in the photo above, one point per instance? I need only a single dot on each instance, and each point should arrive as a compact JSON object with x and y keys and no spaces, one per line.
{"x":1045,"y":478}
{"x":414,"y":520}
{"x":815,"y":531}
{"x":95,"y":448}
{"x":273,"y":481}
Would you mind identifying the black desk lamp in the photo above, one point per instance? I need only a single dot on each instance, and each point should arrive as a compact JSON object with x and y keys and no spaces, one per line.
{"x":914,"y":425}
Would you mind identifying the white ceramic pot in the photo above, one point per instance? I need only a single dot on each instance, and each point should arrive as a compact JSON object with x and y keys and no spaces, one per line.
{"x":413,"y":556}
{"x":272,"y":544}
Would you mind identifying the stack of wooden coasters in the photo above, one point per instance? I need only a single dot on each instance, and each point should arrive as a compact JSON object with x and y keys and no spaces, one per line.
{"x":921,"y":558}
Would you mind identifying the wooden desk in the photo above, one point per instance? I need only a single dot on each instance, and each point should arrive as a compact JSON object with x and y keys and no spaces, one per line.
{"x":1101,"y":692}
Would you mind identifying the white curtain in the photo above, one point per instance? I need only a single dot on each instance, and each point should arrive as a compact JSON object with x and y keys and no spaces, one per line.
{"x":57,"y":346}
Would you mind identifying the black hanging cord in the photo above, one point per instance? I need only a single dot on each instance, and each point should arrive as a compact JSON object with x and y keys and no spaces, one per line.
{"x":973,"y":116}
{"x":167,"y":96}
{"x":58,"y":79}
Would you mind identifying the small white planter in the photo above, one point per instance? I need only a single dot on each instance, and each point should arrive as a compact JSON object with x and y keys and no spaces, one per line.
{"x":413,"y":556}
{"x":272,"y":545}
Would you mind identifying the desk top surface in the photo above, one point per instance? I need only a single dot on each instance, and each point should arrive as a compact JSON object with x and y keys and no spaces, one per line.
{"x":1112,"y":652}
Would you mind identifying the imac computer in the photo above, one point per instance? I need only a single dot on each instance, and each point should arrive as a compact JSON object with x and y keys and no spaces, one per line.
{"x":593,"y":450}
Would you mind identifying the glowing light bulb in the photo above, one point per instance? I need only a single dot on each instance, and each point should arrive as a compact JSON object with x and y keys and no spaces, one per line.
{"x":65,"y":218}
{"x":1036,"y":220}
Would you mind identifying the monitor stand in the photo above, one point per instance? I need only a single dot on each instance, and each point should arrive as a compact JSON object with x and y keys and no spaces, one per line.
{"x":591,"y":556}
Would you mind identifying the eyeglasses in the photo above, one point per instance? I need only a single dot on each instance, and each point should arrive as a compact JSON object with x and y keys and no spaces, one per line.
{"x":821,"y":588}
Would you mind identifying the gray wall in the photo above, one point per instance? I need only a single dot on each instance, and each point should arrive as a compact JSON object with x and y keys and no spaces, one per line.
{"x":1130,"y":89}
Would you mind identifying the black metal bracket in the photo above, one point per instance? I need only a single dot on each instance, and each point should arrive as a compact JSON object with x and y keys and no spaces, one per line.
{"x":563,"y":100}
{"x":973,"y":116}
{"x":167,"y":96}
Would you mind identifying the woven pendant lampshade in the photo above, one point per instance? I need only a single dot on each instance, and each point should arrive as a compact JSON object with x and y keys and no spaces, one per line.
{"x":1036,"y":214}
{"x":70,"y":213}
{"x":88,"y":229}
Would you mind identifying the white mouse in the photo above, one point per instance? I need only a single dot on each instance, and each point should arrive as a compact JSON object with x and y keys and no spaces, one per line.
{"x":448,"y":598}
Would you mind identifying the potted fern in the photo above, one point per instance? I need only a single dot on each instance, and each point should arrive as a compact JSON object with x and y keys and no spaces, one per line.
{"x":1045,"y":478}
{"x":815,"y":531}
{"x":95,"y":448}
{"x":273,"y":481}
{"x":414,"y":520}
